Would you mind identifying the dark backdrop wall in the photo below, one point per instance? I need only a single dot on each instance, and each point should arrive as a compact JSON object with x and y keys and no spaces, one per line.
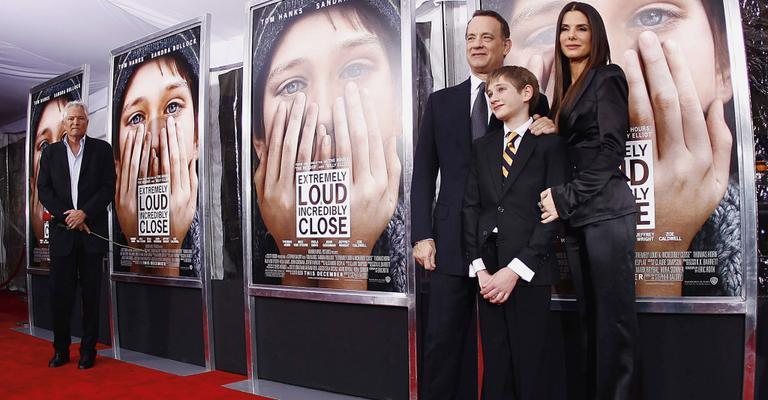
{"x":228,"y":294}
{"x":12,"y":212}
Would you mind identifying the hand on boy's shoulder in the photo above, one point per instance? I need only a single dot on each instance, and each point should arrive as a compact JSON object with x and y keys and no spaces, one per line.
{"x":542,"y":125}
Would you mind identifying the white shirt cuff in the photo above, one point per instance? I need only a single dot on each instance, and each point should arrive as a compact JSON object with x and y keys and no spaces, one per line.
{"x":521,"y":269}
{"x":477,"y":265}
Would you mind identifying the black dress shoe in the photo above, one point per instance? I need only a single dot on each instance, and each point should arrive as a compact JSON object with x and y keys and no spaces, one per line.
{"x":58,"y":360}
{"x":86,"y":361}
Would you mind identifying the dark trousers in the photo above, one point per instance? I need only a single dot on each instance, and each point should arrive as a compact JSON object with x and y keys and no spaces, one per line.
{"x":602,"y":260}
{"x":66,"y":271}
{"x":514,"y":336}
{"x":450,"y":342}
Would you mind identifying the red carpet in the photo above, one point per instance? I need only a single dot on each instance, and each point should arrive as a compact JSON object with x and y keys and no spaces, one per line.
{"x":24,"y":372}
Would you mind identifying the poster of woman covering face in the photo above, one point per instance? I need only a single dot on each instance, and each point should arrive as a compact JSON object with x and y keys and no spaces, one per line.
{"x":46,"y":113}
{"x":156,"y":135}
{"x":681,"y":147}
{"x":326,"y":141}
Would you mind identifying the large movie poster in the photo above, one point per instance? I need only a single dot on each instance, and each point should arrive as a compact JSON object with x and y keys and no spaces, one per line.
{"x":156,"y":137}
{"x":44,"y":127}
{"x":681,"y":148}
{"x":326,"y":145}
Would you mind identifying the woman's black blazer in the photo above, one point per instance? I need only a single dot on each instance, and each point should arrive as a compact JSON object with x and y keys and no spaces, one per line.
{"x":595,"y":126}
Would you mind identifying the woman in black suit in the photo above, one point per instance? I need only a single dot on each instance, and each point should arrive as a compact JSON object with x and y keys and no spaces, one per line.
{"x":590,"y":110}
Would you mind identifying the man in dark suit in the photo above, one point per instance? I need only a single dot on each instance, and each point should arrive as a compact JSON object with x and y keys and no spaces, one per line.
{"x":507,"y":242}
{"x":452,"y":118}
{"x":76,"y":183}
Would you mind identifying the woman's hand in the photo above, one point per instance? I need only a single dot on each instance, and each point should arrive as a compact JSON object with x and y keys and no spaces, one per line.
{"x":691,"y":153}
{"x":547,"y":207}
{"x":542,"y":125}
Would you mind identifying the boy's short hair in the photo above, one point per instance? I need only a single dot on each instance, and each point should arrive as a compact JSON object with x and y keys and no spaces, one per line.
{"x":519,"y":77}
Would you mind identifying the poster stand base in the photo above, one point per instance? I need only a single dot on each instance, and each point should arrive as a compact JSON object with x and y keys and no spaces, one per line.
{"x":153,"y":362}
{"x":282,"y":391}
{"x":132,"y":357}
{"x":41,"y":333}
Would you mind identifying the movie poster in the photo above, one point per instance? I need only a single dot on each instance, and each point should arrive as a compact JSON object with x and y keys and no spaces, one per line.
{"x":326,"y":145}
{"x":681,"y":161}
{"x":157,"y":134}
{"x":46,"y":112}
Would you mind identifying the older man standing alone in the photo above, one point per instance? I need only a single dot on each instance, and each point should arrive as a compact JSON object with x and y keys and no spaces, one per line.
{"x":76,"y":183}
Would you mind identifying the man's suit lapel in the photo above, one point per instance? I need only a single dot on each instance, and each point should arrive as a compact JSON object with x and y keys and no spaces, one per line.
{"x":67,"y":189}
{"x":460,"y":121}
{"x":87,"y":154}
{"x":492,"y":149}
{"x":524,"y":151}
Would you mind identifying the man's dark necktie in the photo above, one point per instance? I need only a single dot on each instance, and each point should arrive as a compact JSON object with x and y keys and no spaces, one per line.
{"x":479,"y":116}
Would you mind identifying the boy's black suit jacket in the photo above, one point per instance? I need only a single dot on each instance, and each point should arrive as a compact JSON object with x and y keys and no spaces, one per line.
{"x":511,"y":204}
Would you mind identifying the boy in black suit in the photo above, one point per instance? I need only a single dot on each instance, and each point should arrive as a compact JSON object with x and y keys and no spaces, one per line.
{"x":510,"y":250}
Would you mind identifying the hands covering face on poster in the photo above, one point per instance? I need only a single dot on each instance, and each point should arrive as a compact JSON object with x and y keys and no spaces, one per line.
{"x":329,"y":102}
{"x":158,"y":137}
{"x":681,"y":102}
{"x":49,"y":130}
{"x":373,"y":159}
{"x":138,"y":159}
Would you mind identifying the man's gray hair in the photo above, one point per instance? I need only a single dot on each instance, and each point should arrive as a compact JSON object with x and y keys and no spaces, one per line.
{"x":74,"y":103}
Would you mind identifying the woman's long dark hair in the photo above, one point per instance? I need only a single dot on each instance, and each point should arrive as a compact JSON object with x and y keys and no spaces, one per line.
{"x":600,"y":54}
